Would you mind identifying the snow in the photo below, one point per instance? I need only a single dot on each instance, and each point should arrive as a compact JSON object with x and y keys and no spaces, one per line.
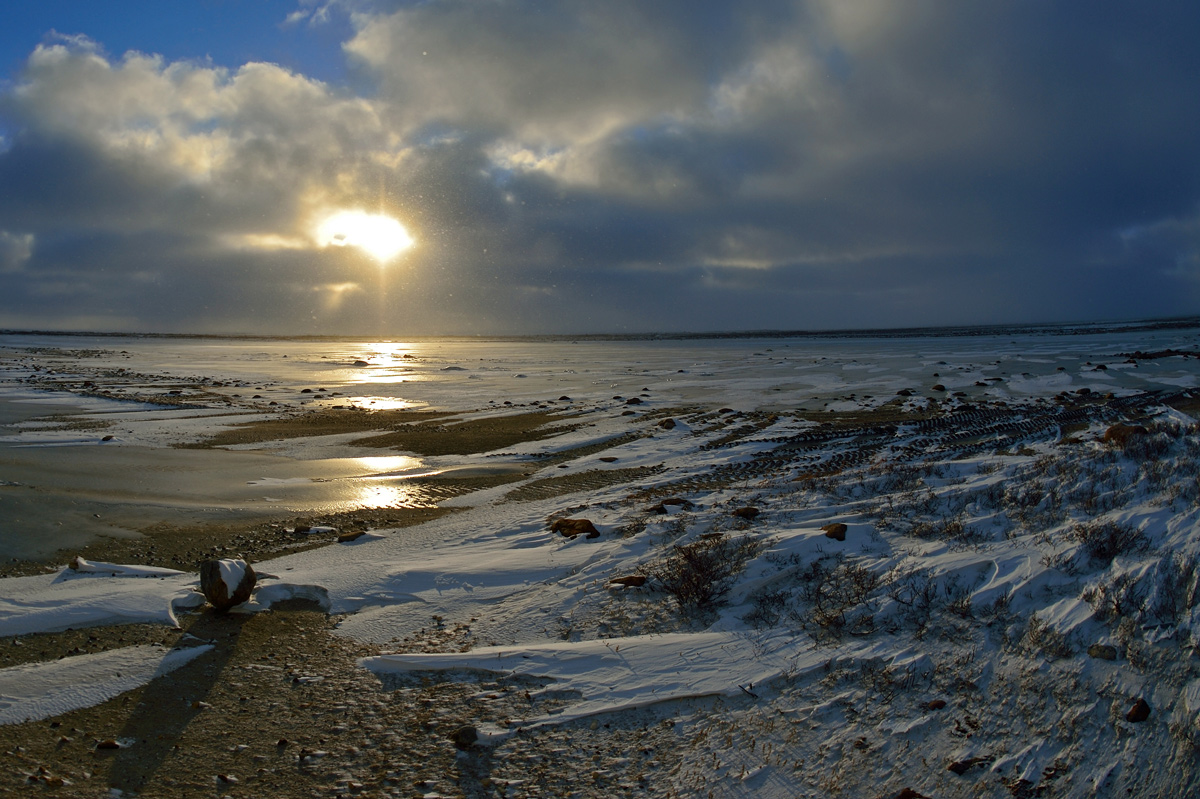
{"x":36,"y":691}
{"x":232,"y":571}
{"x":978,"y":585}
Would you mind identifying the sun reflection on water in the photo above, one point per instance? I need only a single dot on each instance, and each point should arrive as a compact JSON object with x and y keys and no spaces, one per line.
{"x":384,"y":403}
{"x":397,"y":494}
{"x":381,"y":464}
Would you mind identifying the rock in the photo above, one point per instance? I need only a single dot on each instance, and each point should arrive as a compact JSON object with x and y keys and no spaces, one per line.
{"x":570,"y":528}
{"x":936,"y":704}
{"x":1102,"y":651}
{"x":662,"y":506}
{"x":226,"y":583}
{"x":667,"y":424}
{"x":938,"y":387}
{"x":361,"y":363}
{"x":749,"y":513}
{"x":632,"y":581}
{"x":608,"y":459}
{"x":1139,"y":712}
{"x":564,"y":398}
{"x":960,"y":767}
{"x":465,"y":737}
{"x":352,"y":535}
{"x":633,"y":401}
{"x":1120,"y":434}
{"x":908,"y":793}
{"x":904,"y":392}
{"x":836,"y":531}
{"x":108,"y":743}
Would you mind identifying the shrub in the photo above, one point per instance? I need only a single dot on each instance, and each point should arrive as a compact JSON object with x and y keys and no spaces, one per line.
{"x":1041,"y":637}
{"x":699,"y":573}
{"x":1103,"y":541}
{"x":1114,"y":599}
{"x":839,"y":598}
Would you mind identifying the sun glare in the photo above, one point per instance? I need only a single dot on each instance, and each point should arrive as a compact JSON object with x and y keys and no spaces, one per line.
{"x":380,"y":236}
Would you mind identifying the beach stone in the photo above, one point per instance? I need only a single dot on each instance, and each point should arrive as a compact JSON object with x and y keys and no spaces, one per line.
{"x":673,"y":501}
{"x":904,"y":392}
{"x":961,"y":767}
{"x":465,"y":737}
{"x":633,"y":401}
{"x":570,"y":528}
{"x":836,"y":531}
{"x":217,"y":592}
{"x":908,"y":793}
{"x":352,"y":535}
{"x":632,"y":581}
{"x":1120,"y":434}
{"x":667,"y":424}
{"x":938,"y":387}
{"x":749,"y":513}
{"x":1139,"y":712}
{"x":608,"y":459}
{"x":1102,"y":651}
{"x":936,"y":704}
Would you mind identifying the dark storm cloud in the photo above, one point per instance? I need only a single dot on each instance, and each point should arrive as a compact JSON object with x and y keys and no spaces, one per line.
{"x":579,"y":166}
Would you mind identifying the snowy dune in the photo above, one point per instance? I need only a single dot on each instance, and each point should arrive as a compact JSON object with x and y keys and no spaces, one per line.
{"x":1008,"y":584}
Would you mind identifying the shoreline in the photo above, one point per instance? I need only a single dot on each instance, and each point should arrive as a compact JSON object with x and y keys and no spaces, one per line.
{"x":987,"y":501}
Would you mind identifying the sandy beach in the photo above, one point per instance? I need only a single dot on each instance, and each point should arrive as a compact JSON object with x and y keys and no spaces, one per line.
{"x":957,"y":588}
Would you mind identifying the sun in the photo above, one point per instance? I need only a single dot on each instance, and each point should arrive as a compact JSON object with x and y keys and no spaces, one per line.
{"x":378,"y":235}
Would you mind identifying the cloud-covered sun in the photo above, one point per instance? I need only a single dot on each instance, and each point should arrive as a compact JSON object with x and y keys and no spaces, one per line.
{"x":378,"y":235}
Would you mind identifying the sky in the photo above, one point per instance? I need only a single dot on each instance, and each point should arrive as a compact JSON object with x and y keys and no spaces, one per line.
{"x":564,"y":166}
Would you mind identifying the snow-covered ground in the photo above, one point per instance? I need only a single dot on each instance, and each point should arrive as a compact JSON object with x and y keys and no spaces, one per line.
{"x":1009,"y":589}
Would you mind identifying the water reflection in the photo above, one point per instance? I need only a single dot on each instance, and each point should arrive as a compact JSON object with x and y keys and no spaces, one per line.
{"x":385,"y":403}
{"x":389,"y":463}
{"x":396,"y":494}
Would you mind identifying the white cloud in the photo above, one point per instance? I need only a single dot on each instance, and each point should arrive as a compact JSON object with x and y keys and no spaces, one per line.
{"x":15,"y":250}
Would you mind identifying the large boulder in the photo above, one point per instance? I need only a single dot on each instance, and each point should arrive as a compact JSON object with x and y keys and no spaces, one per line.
{"x":226,"y":582}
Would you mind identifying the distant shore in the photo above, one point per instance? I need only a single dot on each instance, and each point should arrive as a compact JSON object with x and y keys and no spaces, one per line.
{"x":933,"y":331}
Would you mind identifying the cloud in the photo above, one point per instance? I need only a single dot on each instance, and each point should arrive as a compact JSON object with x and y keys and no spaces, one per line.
{"x":571,"y":165}
{"x":15,"y":250}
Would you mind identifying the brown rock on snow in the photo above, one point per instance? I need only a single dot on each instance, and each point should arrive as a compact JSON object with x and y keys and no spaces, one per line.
{"x":1102,"y":651}
{"x":632,"y":581}
{"x":667,"y":424}
{"x":907,"y":793}
{"x":570,"y":528}
{"x":352,"y":535}
{"x":836,"y":531}
{"x":1120,"y":434}
{"x":961,"y":767}
{"x":465,"y":737}
{"x":1139,"y":712}
{"x":749,"y":513}
{"x":215,"y":590}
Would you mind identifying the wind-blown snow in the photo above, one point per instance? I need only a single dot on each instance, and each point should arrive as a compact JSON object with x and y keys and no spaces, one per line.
{"x":994,"y":553}
{"x":36,"y":691}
